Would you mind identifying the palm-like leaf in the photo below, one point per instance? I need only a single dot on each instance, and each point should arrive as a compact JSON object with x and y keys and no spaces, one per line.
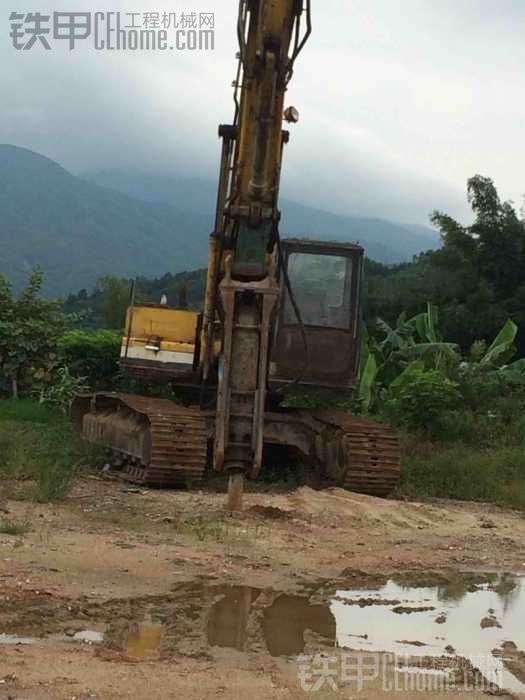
{"x":501,"y":344}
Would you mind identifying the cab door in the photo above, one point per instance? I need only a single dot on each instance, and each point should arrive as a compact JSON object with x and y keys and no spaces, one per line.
{"x":325,"y":282}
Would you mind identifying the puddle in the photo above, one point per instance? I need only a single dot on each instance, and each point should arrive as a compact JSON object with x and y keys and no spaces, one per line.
{"x":284,"y":620}
{"x":453,"y":624}
{"x":13,"y":640}
{"x":429,"y":627}
{"x":228,"y":620}
{"x":426,"y":622}
{"x":287,"y":620}
{"x":144,"y":640}
{"x":89,"y":636}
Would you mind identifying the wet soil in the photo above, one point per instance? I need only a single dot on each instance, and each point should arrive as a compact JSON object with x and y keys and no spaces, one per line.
{"x":121,"y":593}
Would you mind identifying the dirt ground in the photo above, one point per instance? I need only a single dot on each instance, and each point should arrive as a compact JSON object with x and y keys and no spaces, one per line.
{"x":114,"y":558}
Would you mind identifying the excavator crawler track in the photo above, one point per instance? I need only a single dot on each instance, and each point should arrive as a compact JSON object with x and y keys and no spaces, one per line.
{"x":160,"y":443}
{"x":153,"y":441}
{"x":370,"y":459}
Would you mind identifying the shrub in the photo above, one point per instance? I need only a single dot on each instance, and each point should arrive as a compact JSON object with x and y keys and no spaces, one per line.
{"x":93,"y":355}
{"x":61,"y":392}
{"x":14,"y":527}
{"x":419,"y":398}
{"x":30,"y":332}
{"x":480,"y":387}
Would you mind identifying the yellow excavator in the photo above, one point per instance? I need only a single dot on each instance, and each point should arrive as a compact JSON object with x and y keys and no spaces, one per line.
{"x":280,"y":316}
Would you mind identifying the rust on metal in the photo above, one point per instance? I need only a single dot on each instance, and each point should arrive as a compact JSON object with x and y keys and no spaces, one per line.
{"x":370,"y":452}
{"x":157,"y":441}
{"x":355,"y":453}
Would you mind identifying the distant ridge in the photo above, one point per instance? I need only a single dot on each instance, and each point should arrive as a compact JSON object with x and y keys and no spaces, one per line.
{"x":114,"y":222}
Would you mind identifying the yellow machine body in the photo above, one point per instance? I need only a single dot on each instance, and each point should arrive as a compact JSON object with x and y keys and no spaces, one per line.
{"x":159,"y":337}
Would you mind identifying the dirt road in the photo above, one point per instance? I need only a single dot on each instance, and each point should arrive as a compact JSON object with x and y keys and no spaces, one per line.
{"x":129,"y":593}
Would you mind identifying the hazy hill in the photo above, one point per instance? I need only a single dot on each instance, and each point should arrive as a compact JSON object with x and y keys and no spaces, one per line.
{"x":77,"y":231}
{"x":385,"y":241}
{"x":128,"y":224}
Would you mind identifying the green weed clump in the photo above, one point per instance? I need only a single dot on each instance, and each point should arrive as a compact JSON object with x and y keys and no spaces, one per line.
{"x":40,"y":446}
{"x":202,"y":527}
{"x":14,"y":527}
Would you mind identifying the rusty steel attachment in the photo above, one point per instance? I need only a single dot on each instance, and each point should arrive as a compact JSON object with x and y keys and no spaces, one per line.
{"x":159,"y":443}
{"x":152,"y":441}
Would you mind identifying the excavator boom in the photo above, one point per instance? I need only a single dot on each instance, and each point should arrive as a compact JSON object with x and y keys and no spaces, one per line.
{"x":247,"y":232}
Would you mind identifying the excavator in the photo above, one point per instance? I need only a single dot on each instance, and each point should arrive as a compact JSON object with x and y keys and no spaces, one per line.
{"x":281,"y":316}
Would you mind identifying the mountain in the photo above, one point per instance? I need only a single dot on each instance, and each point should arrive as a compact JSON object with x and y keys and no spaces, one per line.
{"x":385,"y":241}
{"x":113,"y":222}
{"x":77,"y":231}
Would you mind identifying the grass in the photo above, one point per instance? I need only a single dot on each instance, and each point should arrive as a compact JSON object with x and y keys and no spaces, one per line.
{"x":14,"y":527}
{"x":125,"y":520}
{"x":495,"y":475}
{"x":202,"y":527}
{"x":40,"y":445}
{"x":25,"y":411}
{"x":478,"y":457}
{"x":220,"y":529}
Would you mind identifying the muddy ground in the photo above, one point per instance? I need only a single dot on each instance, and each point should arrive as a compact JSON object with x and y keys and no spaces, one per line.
{"x":157,"y":575}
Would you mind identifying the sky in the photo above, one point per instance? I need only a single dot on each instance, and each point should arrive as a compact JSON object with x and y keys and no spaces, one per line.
{"x":401,"y":101}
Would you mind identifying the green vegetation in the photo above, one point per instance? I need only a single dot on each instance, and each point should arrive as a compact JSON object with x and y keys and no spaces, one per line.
{"x":14,"y":527}
{"x":25,"y":411}
{"x":466,"y":472}
{"x":476,"y":277}
{"x":217,"y":528}
{"x":60,"y":394}
{"x":92,"y":355}
{"x":39,"y":445}
{"x":30,"y":328}
{"x":460,"y":401}
{"x":116,"y":298}
{"x":463,"y":417}
{"x":202,"y":527}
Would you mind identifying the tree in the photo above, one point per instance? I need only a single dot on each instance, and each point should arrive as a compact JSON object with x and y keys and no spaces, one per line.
{"x":30,"y":331}
{"x":493,"y":248}
{"x":477,"y":277}
{"x":115,"y":301}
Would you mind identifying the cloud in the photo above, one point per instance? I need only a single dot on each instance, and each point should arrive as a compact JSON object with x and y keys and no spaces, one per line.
{"x":400,"y":102}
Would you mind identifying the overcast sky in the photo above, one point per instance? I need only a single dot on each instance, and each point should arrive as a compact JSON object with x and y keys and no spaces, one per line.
{"x":400,"y":100}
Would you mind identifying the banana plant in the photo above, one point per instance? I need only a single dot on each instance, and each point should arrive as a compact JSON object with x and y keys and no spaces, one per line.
{"x":493,"y":358}
{"x":426,"y":324}
{"x":416,"y":343}
{"x":367,"y":374}
{"x":418,"y":338}
{"x":501,"y":346}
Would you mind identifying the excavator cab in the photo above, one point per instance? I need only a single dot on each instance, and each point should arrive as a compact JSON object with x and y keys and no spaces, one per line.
{"x":318,"y":327}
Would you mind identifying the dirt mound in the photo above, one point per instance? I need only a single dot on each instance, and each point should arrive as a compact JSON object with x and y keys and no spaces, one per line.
{"x":361,"y":510}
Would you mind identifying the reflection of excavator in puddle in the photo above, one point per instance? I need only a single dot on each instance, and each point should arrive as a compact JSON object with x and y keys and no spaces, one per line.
{"x":279,"y":316}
